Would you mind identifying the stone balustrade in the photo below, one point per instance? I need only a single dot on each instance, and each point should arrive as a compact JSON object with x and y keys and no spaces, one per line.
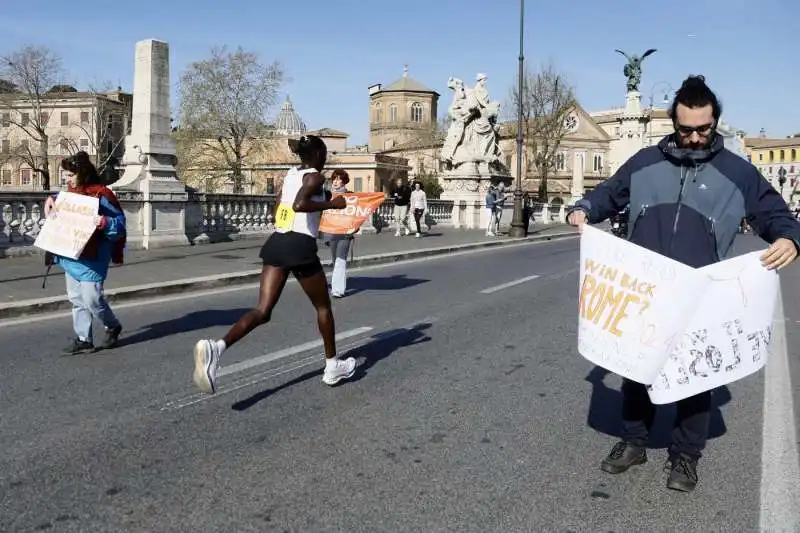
{"x":224,"y":217}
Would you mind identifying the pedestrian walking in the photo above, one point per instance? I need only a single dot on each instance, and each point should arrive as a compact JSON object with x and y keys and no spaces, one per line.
{"x":419,"y":205}
{"x":687,"y":196}
{"x":490,"y":199}
{"x":86,"y":275}
{"x":291,"y":249}
{"x":402,"y":198}
{"x":339,"y":244}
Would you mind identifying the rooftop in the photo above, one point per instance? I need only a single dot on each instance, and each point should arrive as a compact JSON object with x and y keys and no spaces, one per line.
{"x":407,"y":84}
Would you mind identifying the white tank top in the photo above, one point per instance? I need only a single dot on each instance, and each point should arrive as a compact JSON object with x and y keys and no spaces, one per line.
{"x":286,"y":219}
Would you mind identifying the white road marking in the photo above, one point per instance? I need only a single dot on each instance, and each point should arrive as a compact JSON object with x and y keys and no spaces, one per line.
{"x":780,"y":464}
{"x":227,"y":388}
{"x":496,"y":288}
{"x":189,"y":294}
{"x":286,"y":352}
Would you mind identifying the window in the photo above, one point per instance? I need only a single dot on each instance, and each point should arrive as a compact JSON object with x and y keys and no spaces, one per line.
{"x":64,"y":118}
{"x":358,"y":184}
{"x":5,"y":147}
{"x":392,"y":113}
{"x":109,"y":122}
{"x":84,"y":144}
{"x":109,"y":146}
{"x":25,"y":177}
{"x":23,"y":144}
{"x":561,"y":161}
{"x":771,"y":156}
{"x":378,"y":113}
{"x":783,"y":155}
{"x":794,"y":154}
{"x":597,"y":163}
{"x":416,"y":112}
{"x":5,"y":177}
{"x":44,"y":118}
{"x":84,"y":117}
{"x":6,"y":120}
{"x":270,"y":185}
{"x":25,"y":119}
{"x":64,"y":145}
{"x":760,"y":157}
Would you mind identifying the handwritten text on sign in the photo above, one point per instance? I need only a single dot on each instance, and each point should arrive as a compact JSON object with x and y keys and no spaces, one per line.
{"x":633,"y":305}
{"x":70,"y":225}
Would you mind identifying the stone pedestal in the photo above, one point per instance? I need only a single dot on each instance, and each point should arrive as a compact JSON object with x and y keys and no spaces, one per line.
{"x":467,"y":187}
{"x":150,"y":155}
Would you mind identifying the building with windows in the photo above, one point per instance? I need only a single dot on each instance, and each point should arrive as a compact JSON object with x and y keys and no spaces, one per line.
{"x":36,"y":134}
{"x":779,"y":162}
{"x":269,"y":158}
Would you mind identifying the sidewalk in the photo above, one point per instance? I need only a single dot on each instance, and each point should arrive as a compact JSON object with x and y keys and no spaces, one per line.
{"x":179,"y":269}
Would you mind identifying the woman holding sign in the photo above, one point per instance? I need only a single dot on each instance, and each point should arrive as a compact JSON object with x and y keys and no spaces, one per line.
{"x":292,"y":249}
{"x":340,"y":244}
{"x":86,"y":274}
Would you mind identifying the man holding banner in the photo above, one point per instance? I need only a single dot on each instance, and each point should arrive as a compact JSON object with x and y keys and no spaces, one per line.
{"x":687,"y":196}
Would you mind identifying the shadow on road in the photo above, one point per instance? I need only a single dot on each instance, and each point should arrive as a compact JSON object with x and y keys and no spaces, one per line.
{"x":191,"y":322}
{"x":605,"y":412}
{"x":397,"y":282}
{"x":377,"y":348}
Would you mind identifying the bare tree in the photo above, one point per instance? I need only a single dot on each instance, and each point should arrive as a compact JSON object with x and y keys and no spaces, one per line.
{"x":547,"y":101}
{"x":224,"y":101}
{"x":35,"y":72}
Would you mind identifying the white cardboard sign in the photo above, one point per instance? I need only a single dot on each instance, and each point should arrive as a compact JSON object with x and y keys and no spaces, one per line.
{"x":678,"y":329}
{"x":70,"y":225}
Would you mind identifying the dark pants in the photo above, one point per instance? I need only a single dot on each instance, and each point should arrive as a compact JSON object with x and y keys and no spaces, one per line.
{"x":690,"y":432}
{"x":417,"y":216}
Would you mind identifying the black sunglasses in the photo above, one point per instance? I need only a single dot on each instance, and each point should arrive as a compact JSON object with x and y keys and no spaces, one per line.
{"x":705,"y":129}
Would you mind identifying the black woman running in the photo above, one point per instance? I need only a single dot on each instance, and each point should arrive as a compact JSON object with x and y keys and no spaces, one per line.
{"x":292,"y":248}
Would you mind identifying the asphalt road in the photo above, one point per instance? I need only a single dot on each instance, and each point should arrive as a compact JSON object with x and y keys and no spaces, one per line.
{"x":471,"y":411}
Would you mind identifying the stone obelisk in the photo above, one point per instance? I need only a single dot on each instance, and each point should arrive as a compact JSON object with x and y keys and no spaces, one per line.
{"x":154,"y":199}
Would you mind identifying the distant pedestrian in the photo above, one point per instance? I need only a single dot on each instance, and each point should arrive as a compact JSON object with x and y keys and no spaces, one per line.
{"x":340,"y":244}
{"x":402,"y":198}
{"x":419,"y":205}
{"x":490,"y":199}
{"x":291,"y":249}
{"x":85,"y":276}
{"x":499,"y":205}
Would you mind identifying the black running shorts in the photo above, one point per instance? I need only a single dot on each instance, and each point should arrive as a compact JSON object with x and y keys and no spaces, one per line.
{"x":296,"y":252}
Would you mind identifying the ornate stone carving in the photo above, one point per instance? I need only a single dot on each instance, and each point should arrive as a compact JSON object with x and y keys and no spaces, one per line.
{"x":633,"y":69}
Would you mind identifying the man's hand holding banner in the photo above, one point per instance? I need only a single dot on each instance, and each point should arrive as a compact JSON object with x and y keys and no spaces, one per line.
{"x":360,"y":206}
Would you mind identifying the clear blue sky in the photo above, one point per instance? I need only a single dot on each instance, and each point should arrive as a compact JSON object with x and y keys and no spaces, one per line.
{"x":334,"y":49}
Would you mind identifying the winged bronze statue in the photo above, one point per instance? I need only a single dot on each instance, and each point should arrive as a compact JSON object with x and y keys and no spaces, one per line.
{"x":633,"y":68}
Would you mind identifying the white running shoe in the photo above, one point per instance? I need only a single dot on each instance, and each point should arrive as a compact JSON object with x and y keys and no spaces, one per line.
{"x":338,"y":369}
{"x":206,"y":360}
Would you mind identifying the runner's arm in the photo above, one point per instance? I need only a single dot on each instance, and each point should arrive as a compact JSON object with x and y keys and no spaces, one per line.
{"x":311,"y":184}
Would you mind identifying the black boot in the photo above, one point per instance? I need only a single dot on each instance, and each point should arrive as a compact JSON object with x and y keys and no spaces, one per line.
{"x":682,"y":473}
{"x":623,"y":456}
{"x":112,"y":337}
{"x":78,"y":346}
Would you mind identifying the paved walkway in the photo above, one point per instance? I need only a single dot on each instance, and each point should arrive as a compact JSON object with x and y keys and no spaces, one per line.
{"x":21,"y":278}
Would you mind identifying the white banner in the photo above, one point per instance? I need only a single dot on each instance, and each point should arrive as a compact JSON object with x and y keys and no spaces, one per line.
{"x":70,"y":225}
{"x":659,"y":322}
{"x":729,"y":335}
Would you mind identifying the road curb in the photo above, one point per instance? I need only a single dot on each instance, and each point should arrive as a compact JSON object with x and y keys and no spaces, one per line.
{"x":134,"y":292}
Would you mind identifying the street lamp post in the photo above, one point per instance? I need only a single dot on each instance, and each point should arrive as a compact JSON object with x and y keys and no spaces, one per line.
{"x":518,"y":228}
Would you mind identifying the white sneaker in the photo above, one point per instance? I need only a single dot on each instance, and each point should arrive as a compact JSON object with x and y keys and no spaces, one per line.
{"x":338,"y":369}
{"x":397,"y":233}
{"x":206,"y":360}
{"x":408,"y":232}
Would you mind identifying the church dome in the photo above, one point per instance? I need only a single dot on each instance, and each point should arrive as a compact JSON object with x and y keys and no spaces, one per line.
{"x":288,"y":121}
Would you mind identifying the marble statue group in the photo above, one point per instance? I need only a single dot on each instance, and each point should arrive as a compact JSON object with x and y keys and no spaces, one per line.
{"x":473,"y":134}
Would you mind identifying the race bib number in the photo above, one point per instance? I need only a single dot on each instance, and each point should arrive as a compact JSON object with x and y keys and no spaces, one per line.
{"x":284,"y":217}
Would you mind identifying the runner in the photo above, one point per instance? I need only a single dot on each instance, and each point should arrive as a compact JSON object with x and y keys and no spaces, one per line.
{"x":291,"y":249}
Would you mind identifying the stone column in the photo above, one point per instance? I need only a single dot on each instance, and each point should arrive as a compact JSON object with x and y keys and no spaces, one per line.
{"x":578,"y":166}
{"x":150,"y":155}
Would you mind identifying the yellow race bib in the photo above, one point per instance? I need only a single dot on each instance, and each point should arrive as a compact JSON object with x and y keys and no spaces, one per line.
{"x":284,"y":217}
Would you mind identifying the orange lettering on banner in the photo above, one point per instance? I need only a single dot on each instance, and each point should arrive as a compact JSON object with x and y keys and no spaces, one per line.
{"x":603,"y":300}
{"x":360,"y":206}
